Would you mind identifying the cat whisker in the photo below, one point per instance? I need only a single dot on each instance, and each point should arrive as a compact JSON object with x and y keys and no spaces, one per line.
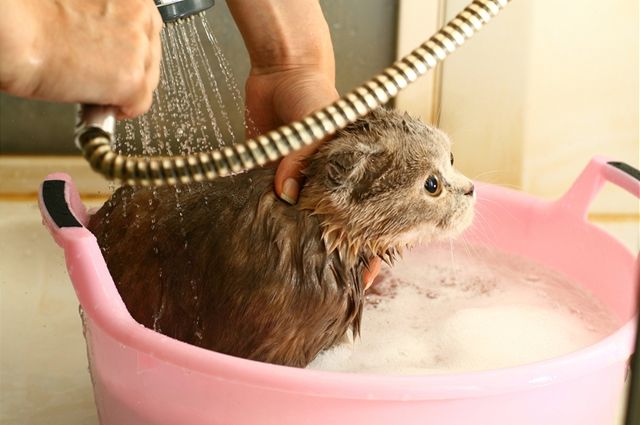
{"x":487,"y":173}
{"x":500,"y":207}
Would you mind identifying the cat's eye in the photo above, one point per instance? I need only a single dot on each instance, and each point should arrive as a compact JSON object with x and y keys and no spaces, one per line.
{"x":432,"y":186}
{"x":451,"y":158}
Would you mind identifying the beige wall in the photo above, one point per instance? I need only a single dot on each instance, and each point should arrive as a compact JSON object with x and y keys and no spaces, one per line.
{"x":417,"y":21}
{"x":582,"y":93}
{"x":544,"y":87}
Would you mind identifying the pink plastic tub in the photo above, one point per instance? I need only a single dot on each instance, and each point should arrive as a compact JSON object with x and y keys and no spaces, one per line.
{"x":142,"y":377}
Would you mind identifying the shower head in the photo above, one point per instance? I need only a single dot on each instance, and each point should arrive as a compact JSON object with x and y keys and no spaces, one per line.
{"x":172,"y":10}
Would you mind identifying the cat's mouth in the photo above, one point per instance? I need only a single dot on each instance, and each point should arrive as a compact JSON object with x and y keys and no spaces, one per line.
{"x":455,"y":223}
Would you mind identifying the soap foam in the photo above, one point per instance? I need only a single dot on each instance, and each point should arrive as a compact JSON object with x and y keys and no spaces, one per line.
{"x":444,"y":313}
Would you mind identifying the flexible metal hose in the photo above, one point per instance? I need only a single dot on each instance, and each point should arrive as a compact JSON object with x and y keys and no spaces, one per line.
{"x":96,"y":124}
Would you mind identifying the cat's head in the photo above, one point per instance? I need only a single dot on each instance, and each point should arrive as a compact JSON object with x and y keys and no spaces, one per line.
{"x":385,"y":182}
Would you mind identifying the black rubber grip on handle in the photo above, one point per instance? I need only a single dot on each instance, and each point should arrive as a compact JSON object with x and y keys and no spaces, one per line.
{"x":626,"y":168}
{"x":633,"y":398}
{"x":56,"y":204}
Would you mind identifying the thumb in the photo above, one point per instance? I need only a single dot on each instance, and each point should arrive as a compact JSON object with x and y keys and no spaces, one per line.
{"x":298,"y":100}
{"x":371,"y":272}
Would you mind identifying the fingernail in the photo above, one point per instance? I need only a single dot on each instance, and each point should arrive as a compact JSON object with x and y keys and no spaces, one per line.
{"x":368,"y":279}
{"x":290,"y":190}
{"x":368,"y":284}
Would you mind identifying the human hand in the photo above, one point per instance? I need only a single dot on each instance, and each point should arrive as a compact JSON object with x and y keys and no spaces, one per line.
{"x":292,"y":75}
{"x":275,"y":98}
{"x":278,"y":97}
{"x":292,"y":71}
{"x":103,"y":52}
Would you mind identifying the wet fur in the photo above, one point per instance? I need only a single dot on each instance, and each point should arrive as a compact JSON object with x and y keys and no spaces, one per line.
{"x":238,"y":271}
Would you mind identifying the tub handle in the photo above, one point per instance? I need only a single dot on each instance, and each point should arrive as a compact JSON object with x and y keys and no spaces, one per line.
{"x":62,"y":210}
{"x":577,"y":200}
{"x":66,"y":218}
{"x":599,"y":170}
{"x":53,"y":197}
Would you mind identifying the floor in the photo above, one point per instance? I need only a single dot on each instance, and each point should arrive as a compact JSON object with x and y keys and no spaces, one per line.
{"x":43,"y":365}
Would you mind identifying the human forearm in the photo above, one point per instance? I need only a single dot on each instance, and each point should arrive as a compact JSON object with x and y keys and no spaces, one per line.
{"x":284,"y":34}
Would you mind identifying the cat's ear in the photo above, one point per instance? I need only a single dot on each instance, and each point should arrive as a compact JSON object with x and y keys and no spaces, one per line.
{"x":345,"y":167}
{"x":406,"y":119}
{"x":359,"y":126}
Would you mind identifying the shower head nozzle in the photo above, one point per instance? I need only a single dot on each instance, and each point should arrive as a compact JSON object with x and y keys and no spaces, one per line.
{"x":172,"y":10}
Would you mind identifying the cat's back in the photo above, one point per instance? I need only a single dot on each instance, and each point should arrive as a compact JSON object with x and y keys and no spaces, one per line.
{"x":165,"y":247}
{"x":228,"y":266}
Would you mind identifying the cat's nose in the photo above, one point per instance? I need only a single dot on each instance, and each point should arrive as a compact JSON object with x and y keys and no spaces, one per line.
{"x":470,"y":191}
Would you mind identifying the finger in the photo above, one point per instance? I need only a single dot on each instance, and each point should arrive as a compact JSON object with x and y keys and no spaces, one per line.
{"x":143,"y":97}
{"x":140,"y":96}
{"x":155,"y":56}
{"x":371,"y":272}
{"x":288,"y":178}
{"x":155,"y":21}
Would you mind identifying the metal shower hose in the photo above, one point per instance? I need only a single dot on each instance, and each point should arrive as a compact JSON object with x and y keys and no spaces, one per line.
{"x":96,"y":124}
